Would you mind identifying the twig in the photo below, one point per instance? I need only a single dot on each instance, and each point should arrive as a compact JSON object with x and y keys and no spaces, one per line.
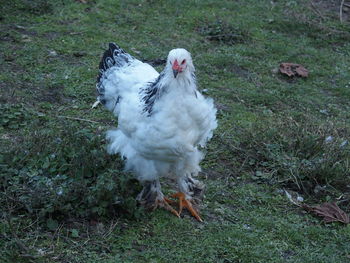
{"x":316,"y":10}
{"x":76,"y":119}
{"x":341,"y":11}
{"x":18,"y":241}
{"x":111,"y":229}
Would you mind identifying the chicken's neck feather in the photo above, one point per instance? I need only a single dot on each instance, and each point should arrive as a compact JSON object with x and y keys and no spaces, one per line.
{"x":165,"y":83}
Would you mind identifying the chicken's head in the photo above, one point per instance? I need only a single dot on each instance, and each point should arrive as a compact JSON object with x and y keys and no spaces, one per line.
{"x":180,"y":62}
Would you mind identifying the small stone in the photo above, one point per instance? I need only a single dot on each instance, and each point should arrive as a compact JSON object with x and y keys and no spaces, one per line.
{"x":26,"y":38}
{"x":344,"y":143}
{"x":300,"y":199}
{"x":329,"y":139}
{"x":52,"y":53}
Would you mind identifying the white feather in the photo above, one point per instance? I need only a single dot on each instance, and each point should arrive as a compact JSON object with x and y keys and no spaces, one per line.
{"x":166,"y":141}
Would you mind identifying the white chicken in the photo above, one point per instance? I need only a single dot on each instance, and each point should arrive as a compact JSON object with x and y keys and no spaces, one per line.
{"x":162,"y":121}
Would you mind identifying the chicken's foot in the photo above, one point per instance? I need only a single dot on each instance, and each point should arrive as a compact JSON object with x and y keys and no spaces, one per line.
{"x":184,"y":203}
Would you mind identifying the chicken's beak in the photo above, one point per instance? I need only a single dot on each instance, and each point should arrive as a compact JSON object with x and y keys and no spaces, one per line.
{"x":176,"y":68}
{"x":175,"y":71}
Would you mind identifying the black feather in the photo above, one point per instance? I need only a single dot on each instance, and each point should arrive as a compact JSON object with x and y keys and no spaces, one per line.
{"x":114,"y":56}
{"x":151,"y":93}
{"x":154,"y":90}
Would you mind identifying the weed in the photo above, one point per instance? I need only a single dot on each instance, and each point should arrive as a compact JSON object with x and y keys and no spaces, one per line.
{"x":14,"y":116}
{"x":222,"y":32}
{"x":66,"y":173}
{"x":300,"y":155}
{"x":38,"y":7}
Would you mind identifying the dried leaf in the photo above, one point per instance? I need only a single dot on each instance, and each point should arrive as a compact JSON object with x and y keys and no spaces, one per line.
{"x":329,"y":211}
{"x":291,"y":70}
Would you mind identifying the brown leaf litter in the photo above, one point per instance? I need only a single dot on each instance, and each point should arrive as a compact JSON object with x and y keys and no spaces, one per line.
{"x":292,"y":69}
{"x":329,"y":211}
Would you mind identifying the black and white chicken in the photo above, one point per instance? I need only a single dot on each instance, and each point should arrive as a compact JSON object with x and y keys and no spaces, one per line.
{"x":163,"y":120}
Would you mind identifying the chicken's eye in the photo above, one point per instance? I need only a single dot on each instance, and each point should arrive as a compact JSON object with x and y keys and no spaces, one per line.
{"x":183,"y":62}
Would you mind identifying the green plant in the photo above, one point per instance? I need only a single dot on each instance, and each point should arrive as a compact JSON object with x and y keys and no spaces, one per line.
{"x":298,"y":155}
{"x":221,"y":31}
{"x":66,"y":173}
{"x":14,"y":116}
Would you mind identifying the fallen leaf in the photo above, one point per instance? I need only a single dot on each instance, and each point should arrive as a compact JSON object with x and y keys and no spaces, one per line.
{"x":329,"y":211}
{"x":291,"y":70}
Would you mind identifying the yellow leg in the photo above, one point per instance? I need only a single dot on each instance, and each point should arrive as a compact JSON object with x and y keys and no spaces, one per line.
{"x":165,"y":204}
{"x":184,"y":203}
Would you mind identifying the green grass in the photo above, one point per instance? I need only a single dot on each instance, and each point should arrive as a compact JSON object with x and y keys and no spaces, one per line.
{"x":63,"y":199}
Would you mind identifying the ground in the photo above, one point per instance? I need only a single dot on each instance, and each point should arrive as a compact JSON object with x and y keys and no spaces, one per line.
{"x":63,"y":199}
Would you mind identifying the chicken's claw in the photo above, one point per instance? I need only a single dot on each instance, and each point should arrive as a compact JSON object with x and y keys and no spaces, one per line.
{"x":184,"y":203}
{"x":165,"y":204}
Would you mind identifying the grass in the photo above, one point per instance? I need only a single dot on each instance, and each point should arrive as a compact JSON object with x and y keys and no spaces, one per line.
{"x":63,"y":199}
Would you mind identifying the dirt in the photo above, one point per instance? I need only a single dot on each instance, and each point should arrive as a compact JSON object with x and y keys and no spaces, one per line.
{"x":52,"y":94}
{"x":240,"y":71}
{"x":52,"y":35}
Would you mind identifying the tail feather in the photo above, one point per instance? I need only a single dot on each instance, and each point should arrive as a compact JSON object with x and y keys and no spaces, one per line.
{"x":114,"y":56}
